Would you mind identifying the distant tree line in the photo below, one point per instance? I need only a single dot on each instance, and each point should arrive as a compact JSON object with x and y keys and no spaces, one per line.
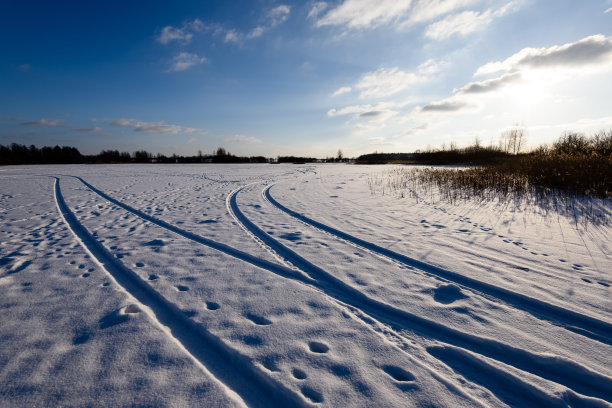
{"x":21,"y":154}
{"x":511,"y":146}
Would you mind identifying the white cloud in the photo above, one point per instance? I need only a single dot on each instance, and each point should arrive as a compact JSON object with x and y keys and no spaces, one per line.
{"x":355,"y":109}
{"x":462,"y":23}
{"x":256,"y":32}
{"x":243,"y":138}
{"x":490,"y":85}
{"x":273,"y":18}
{"x":317,"y":9}
{"x":379,"y":112}
{"x":608,"y":10}
{"x":184,"y":61}
{"x":341,"y":91}
{"x":153,"y":127}
{"x":278,"y":14}
{"x":184,"y":34}
{"x":368,"y":14}
{"x":430,"y":67}
{"x":231,"y":36}
{"x":589,"y":50}
{"x":169,"y":34}
{"x":466,"y":22}
{"x":196,"y":25}
{"x":383,"y":82}
{"x":446,"y":106}
{"x":427,"y":10}
{"x":43,"y":122}
{"x":365,"y":13}
{"x":60,"y":123}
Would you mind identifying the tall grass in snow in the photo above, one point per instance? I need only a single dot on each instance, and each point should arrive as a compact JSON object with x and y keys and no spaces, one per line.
{"x":572,"y":178}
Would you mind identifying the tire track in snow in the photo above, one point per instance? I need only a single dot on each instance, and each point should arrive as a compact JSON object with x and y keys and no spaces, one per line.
{"x":235,"y":372}
{"x":226,"y":249}
{"x":556,"y":369}
{"x":576,"y":322}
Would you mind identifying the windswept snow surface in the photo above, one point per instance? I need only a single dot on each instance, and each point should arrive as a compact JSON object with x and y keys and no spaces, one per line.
{"x":290,"y":285}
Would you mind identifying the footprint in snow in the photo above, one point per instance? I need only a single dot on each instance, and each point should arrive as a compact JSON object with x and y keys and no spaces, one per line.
{"x":291,"y":236}
{"x":118,"y":316}
{"x":270,"y":363}
{"x":398,"y":373}
{"x":155,"y":243}
{"x":81,"y":338}
{"x":312,"y":394}
{"x":182,"y":288}
{"x":447,"y":294}
{"x":299,"y":374}
{"x":317,"y":347}
{"x":212,"y":305}
{"x":258,"y":320}
{"x":340,"y":370}
{"x":131,"y":309}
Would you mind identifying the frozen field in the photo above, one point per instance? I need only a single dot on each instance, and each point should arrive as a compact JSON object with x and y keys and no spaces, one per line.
{"x":290,"y":285}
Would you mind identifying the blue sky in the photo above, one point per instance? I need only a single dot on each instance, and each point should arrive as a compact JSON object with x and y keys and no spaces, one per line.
{"x":306,"y":78}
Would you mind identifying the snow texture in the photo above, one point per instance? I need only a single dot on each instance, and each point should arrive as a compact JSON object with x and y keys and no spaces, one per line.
{"x":290,"y":285}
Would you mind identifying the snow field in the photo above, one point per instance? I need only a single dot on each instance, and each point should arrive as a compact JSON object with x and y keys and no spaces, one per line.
{"x":290,"y":285}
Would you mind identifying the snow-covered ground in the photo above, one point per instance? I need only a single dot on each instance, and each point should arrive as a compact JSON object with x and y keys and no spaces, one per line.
{"x":290,"y":285}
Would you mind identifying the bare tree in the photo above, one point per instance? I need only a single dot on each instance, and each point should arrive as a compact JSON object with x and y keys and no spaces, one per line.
{"x":513,"y":140}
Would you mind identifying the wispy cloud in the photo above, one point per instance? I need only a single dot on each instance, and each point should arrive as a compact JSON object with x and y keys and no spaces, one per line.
{"x":373,"y":113}
{"x":386,"y":82}
{"x":153,"y":127}
{"x":447,"y":105}
{"x":489,"y":85}
{"x":431,"y":67}
{"x":231,"y":36}
{"x":317,"y":9}
{"x":518,"y":68}
{"x":184,"y":61}
{"x":182,"y":34}
{"x":188,"y":30}
{"x":359,"y":110}
{"x":273,"y":18}
{"x":371,"y":14}
{"x":383,"y":82}
{"x":342,"y":91}
{"x":356,"y":14}
{"x":270,"y":19}
{"x":590,"y":50}
{"x":61,"y":124}
{"x":427,"y":10}
{"x":466,"y":22}
{"x":608,"y":11}
{"x":243,"y":138}
{"x":43,"y":122}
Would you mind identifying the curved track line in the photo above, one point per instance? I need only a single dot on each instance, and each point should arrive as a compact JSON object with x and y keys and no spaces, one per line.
{"x":579,"y":323}
{"x":553,"y":368}
{"x":277,"y":269}
{"x":226,"y":249}
{"x":244,"y":381}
